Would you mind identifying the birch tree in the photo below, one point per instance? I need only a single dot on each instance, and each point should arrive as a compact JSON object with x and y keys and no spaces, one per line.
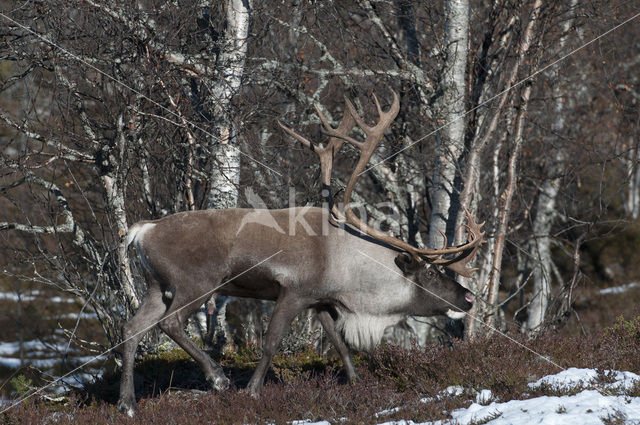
{"x":153,"y":108}
{"x":485,"y":125}
{"x":631,"y":153}
{"x":225,"y":176}
{"x":116,"y":97}
{"x":451,"y":144}
{"x":540,"y":245}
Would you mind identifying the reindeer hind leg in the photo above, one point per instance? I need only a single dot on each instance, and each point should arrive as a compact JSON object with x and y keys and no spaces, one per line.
{"x":147,"y":316}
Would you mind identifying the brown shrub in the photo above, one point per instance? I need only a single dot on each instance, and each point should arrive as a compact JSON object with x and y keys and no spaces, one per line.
{"x":308,"y":387}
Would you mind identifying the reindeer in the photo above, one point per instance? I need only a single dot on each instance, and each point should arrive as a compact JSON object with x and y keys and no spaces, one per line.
{"x":358,"y":279}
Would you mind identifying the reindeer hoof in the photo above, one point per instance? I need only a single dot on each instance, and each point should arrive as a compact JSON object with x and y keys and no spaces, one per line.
{"x":252,"y":391}
{"x":127,"y":407}
{"x":220,"y":383}
{"x":354,"y":379}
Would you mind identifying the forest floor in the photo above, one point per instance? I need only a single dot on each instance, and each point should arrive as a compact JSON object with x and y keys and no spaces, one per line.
{"x":584,"y":372}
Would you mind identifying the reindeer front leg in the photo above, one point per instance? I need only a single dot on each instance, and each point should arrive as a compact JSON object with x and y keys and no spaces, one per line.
{"x":287,"y":307}
{"x":329,"y":326}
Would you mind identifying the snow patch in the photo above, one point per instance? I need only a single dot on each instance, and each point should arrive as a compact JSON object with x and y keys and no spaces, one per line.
{"x":574,"y":377}
{"x":75,"y":380}
{"x":619,"y":289}
{"x":31,"y":297}
{"x":61,"y":300}
{"x":76,"y":316}
{"x":484,"y":397}
{"x":387,"y":412}
{"x":587,"y":407}
{"x":10,"y":363}
{"x":8,"y":348}
{"x":14,"y":297}
{"x":453,"y":391}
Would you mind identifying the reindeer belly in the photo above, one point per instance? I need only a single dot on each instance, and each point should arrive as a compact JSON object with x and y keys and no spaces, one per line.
{"x":251,"y":288}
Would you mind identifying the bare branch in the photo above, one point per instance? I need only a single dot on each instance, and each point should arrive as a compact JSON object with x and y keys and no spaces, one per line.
{"x":67,"y":227}
{"x":189,"y":62}
{"x":65,"y":152}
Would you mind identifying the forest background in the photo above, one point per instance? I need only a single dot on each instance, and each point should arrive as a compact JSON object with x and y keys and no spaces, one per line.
{"x":524,"y":112}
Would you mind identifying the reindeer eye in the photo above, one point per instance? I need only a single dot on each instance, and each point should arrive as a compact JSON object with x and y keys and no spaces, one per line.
{"x":429,"y":274}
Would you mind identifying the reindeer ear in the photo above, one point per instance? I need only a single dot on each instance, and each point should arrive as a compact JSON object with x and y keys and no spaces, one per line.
{"x":407,"y":263}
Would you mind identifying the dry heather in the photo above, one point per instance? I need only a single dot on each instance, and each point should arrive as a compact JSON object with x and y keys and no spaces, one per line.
{"x":306,"y":386}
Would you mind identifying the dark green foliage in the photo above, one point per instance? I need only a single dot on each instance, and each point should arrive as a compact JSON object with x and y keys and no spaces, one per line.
{"x":22,"y":385}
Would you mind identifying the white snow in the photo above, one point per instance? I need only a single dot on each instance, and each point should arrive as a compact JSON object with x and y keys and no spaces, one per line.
{"x":7,"y":348}
{"x":586,"y":407}
{"x":75,"y":316}
{"x":61,"y":300}
{"x":453,"y":391}
{"x":574,"y":377}
{"x":33,"y":296}
{"x":484,"y":397}
{"x":387,"y":412}
{"x":14,"y":297}
{"x":591,"y":401}
{"x":87,"y":359}
{"x":619,"y":289}
{"x":46,"y":356}
{"x":73,"y":381}
{"x":10,"y":363}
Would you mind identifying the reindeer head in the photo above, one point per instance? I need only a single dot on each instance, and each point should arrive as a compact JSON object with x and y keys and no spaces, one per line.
{"x":441,"y":294}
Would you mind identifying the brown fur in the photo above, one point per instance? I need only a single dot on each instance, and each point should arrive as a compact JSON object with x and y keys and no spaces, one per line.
{"x":315,"y":265}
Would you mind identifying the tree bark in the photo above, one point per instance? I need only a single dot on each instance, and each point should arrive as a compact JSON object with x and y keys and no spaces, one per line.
{"x":488,"y":310}
{"x":632,"y":201}
{"x":225,"y":177}
{"x":451,"y":143}
{"x":505,"y":210}
{"x":540,"y":245}
{"x":226,"y":172}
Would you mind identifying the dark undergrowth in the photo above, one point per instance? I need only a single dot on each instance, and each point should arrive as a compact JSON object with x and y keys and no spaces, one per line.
{"x":307,"y":386}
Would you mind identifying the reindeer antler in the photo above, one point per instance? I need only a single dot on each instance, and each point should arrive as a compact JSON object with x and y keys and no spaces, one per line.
{"x":462,"y":254}
{"x":327,"y":154}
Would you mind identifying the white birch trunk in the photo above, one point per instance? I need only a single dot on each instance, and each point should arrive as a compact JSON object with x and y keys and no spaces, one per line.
{"x":452,"y":141}
{"x":114,"y":188}
{"x":115,"y":199}
{"x":489,"y":310}
{"x":540,"y":246}
{"x":541,"y":250}
{"x":225,"y":176}
{"x":632,"y":202}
